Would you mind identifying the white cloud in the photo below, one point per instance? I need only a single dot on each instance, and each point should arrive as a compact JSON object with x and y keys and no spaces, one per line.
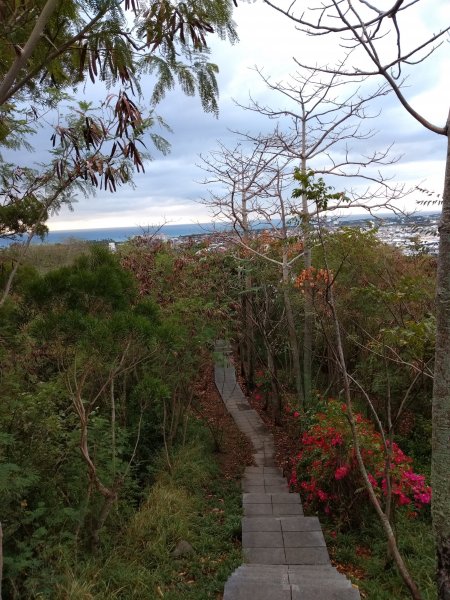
{"x":169,"y":187}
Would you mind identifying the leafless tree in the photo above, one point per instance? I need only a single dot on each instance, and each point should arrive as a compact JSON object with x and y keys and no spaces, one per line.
{"x":373,"y":39}
{"x":318,"y":125}
{"x":260,"y":179}
{"x":237,"y":178}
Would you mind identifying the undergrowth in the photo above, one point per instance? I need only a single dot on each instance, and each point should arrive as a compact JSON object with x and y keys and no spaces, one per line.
{"x":190,"y":502}
{"x":362,"y":554}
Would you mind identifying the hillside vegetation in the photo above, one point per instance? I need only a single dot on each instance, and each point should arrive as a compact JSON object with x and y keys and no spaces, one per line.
{"x":108,"y":453}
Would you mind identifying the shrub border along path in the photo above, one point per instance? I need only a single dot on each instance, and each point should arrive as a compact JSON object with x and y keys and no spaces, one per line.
{"x":284,"y":552}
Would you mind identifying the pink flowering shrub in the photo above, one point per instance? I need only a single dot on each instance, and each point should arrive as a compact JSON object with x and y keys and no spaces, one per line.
{"x":326,"y":473}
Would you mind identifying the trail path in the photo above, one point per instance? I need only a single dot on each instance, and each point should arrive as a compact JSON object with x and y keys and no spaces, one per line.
{"x":284,"y":552}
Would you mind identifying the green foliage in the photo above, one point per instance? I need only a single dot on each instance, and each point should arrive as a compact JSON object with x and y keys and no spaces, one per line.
{"x":96,"y":377}
{"x":315,"y":191}
{"x":94,"y":40}
{"x":363,"y":553}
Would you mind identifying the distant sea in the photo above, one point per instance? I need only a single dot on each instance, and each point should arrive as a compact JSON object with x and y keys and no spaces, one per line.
{"x":122,"y":234}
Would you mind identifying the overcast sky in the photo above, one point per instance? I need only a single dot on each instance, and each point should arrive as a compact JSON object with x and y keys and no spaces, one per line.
{"x":170,"y":189}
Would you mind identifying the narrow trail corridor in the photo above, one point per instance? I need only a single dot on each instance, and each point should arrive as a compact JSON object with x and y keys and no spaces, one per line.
{"x":285,"y":556}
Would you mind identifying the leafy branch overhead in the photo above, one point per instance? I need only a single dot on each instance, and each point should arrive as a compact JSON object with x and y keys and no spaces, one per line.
{"x":105,"y":41}
{"x":49,"y":47}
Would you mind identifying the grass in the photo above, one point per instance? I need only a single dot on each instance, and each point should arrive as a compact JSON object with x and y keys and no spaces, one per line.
{"x":192,"y":502}
{"x":362,"y":554}
{"x":45,"y":257}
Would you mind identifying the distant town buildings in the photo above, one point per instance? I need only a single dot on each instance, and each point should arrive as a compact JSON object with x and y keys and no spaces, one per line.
{"x":417,"y":233}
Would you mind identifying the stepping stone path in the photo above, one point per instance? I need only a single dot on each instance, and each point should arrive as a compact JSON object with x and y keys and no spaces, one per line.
{"x":284,"y":552}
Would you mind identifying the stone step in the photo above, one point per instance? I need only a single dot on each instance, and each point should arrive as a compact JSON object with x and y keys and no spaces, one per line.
{"x":278,"y":539}
{"x":285,"y":553}
{"x":264,"y":488}
{"x":292,"y":574}
{"x":258,"y":470}
{"x":289,"y":523}
{"x":287,"y":556}
{"x":280,"y":582}
{"x":257,"y":478}
{"x":272,"y":498}
{"x":246,"y":590}
{"x":285,"y":582}
{"x":281,"y":509}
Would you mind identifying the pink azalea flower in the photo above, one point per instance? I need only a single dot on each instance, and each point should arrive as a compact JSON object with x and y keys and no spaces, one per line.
{"x":341,"y":472}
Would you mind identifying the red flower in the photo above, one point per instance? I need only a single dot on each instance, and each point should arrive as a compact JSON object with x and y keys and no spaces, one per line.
{"x":341,"y":472}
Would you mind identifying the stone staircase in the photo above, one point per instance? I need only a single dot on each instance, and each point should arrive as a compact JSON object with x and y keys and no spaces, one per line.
{"x":284,"y":552}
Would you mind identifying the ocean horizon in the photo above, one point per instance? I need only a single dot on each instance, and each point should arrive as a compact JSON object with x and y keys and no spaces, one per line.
{"x":121,"y":234}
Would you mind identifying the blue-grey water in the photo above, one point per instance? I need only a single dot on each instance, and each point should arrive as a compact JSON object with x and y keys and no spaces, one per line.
{"x":121,"y":234}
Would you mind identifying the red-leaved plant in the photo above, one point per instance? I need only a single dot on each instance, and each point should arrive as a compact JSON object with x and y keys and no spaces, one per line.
{"x":325,"y":470}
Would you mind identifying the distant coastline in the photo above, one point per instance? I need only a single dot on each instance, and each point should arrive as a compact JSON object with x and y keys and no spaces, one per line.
{"x":122,"y":234}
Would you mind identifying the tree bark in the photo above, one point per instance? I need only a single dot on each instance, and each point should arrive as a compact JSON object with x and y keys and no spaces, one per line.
{"x":25,"y":53}
{"x":293,"y":340}
{"x":441,"y":397}
{"x":249,"y":363}
{"x":1,"y":559}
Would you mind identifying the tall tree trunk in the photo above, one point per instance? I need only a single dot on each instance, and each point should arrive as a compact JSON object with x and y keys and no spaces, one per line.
{"x":1,"y":559}
{"x":308,"y":326}
{"x":308,"y":313}
{"x":441,"y":397}
{"x":276,"y":396}
{"x":249,"y":334}
{"x":293,"y":339}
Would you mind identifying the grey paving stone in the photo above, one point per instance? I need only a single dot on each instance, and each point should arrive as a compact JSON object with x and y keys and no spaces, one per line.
{"x":279,"y":488}
{"x":307,"y":556}
{"x":334,"y":583}
{"x":300,"y":524}
{"x":266,"y":470}
{"x":279,"y":573}
{"x":261,"y":481}
{"x":285,"y":498}
{"x":269,"y":577}
{"x":254,"y":479}
{"x":270,"y":479}
{"x":262,"y":539}
{"x":253,"y":489}
{"x":256,"y":591}
{"x":261,"y":524}
{"x":267,"y":462}
{"x":243,"y":406}
{"x":248,"y":498}
{"x":303,"y":539}
{"x":285,"y":552}
{"x":326,"y":594}
{"x":280,"y":510}
{"x":305,"y":573}
{"x":257,"y":510}
{"x":265,"y":556}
